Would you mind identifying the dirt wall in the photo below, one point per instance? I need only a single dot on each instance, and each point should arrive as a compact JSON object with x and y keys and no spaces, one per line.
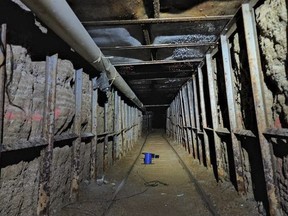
{"x":19,"y":188}
{"x":271,"y":19}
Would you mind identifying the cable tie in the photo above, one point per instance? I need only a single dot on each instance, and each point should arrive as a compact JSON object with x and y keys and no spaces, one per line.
{"x":97,"y":60}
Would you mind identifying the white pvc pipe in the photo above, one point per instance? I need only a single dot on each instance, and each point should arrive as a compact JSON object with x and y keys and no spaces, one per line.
{"x":58,"y":16}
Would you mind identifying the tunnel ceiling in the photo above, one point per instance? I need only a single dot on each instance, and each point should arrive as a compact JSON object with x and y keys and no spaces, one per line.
{"x":155,"y":45}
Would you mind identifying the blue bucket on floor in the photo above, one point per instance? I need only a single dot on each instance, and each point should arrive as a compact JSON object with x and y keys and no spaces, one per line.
{"x":147,"y":158}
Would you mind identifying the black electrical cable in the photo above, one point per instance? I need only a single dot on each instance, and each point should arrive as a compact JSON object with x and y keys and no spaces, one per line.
{"x":199,"y":189}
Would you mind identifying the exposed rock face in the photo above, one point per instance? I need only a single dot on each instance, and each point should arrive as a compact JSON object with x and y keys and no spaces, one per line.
{"x":19,"y":188}
{"x":65,"y":97}
{"x":272,"y":23}
{"x":86,"y":104}
{"x":61,"y":177}
{"x":271,"y":19}
{"x":24,"y":98}
{"x":107,"y":9}
{"x":85,"y":165}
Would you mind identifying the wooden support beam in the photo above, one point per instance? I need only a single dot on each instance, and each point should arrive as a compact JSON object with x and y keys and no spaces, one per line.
{"x":191,"y":104}
{"x":158,"y":46}
{"x":115,"y":126}
{"x":231,"y":101}
{"x":168,"y":121}
{"x":185,"y":122}
{"x":77,"y":130}
{"x":157,"y":21}
{"x":197,"y":118}
{"x":156,"y":6}
{"x":257,"y":81}
{"x":94,"y":106}
{"x":214,"y":115}
{"x":3,"y":32}
{"x":179,"y":120}
{"x":188,"y":117}
{"x":157,"y":62}
{"x":48,"y":134}
{"x":106,"y":147}
{"x":244,"y":133}
{"x":129,"y":125}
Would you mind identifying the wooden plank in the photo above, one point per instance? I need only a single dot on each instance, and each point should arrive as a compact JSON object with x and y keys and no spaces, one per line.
{"x":231,"y":101}
{"x":106,"y":147}
{"x":257,"y":81}
{"x":3,"y":46}
{"x":157,"y":20}
{"x":77,"y":130}
{"x":115,"y":126}
{"x":158,"y":46}
{"x":277,"y":132}
{"x":197,"y":118}
{"x":203,"y":116}
{"x":185,"y":122}
{"x":214,"y":115}
{"x":192,"y":119}
{"x":94,"y":106}
{"x":48,"y":134}
{"x":157,"y":62}
{"x":244,"y":133}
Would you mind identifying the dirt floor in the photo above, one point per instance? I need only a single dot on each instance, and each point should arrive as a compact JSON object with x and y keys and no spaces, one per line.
{"x":161,"y":188}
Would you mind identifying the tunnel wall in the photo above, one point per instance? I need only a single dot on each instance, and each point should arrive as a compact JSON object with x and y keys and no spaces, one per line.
{"x":38,"y":175}
{"x":241,"y":144}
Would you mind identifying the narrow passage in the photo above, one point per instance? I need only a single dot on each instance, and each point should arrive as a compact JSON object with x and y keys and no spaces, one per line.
{"x":164,"y":187}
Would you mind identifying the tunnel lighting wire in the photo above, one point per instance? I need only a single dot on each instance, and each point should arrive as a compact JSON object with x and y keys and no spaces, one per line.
{"x":125,"y":179}
{"x":199,"y":189}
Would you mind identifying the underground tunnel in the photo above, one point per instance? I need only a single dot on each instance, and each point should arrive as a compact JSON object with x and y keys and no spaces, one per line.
{"x":143,"y":107}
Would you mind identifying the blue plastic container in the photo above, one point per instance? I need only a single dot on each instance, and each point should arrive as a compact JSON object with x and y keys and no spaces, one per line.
{"x":147,"y":158}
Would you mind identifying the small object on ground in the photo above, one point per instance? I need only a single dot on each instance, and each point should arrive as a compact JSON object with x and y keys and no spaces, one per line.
{"x":154,"y":183}
{"x":148,"y":157}
{"x":100,"y":181}
{"x":87,"y":182}
{"x":180,"y":195}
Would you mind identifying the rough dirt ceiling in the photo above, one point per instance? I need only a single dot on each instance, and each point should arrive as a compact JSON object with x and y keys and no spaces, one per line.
{"x":156,"y":45}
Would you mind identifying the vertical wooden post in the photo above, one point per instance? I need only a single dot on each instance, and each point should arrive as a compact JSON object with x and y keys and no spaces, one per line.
{"x":124,"y":127}
{"x":129,"y":126}
{"x":197,"y":119}
{"x":94,"y":99}
{"x":48,"y":134}
{"x":2,"y":82}
{"x":187,"y":118}
{"x":203,"y":116}
{"x":175,"y":121}
{"x":214,"y":114}
{"x":168,"y":122}
{"x":257,"y":81}
{"x":105,"y":150}
{"x":228,"y":75}
{"x":156,"y":6}
{"x":184,"y":120}
{"x":180,"y":120}
{"x":134,"y":126}
{"x":77,"y":130}
{"x":115,"y":126}
{"x":178,"y":114}
{"x":192,"y":119}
